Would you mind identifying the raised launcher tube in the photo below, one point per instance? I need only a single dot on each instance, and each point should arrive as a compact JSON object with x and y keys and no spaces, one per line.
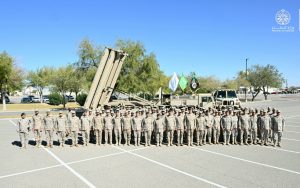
{"x":105,"y":78}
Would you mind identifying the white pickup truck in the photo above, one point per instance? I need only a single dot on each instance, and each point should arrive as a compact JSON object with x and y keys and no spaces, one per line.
{"x":226,"y":97}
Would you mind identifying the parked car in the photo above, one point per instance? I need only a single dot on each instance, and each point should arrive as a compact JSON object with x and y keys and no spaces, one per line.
{"x":45,"y":99}
{"x":36,"y":100}
{"x":70,"y":98}
{"x":25,"y":100}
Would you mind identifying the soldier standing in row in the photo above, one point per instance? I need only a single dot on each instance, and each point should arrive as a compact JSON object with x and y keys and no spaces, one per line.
{"x":253,"y":128}
{"x":136,"y":124}
{"x":278,"y":124}
{"x":170,"y":127}
{"x":190,"y":122}
{"x":23,"y":130}
{"x":234,"y":123}
{"x":49,"y":123}
{"x":244,"y":122}
{"x":117,"y":128}
{"x":74,"y":124}
{"x":37,"y":121}
{"x":85,"y":128}
{"x":208,"y":127}
{"x":216,"y":127}
{"x":180,"y":126}
{"x":200,"y":126}
{"x":264,"y":125}
{"x":91,"y":132}
{"x":108,"y":126}
{"x":61,"y":128}
{"x":126,"y":127}
{"x":159,"y":126}
{"x":147,"y":126}
{"x":226,"y":127}
{"x":98,"y":127}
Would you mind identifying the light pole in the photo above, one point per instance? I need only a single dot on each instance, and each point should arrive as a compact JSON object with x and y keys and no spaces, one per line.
{"x":246,"y":79}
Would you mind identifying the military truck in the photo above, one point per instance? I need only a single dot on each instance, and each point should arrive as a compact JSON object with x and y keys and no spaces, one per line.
{"x":226,"y":98}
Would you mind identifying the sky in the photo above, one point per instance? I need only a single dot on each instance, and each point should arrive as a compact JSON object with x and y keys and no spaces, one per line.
{"x":209,"y":37}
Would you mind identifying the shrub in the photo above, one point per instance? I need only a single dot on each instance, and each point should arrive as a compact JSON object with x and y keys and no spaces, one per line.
{"x":55,"y":99}
{"x":81,"y":99}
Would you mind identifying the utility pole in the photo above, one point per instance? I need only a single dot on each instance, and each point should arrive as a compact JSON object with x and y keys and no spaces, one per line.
{"x":246,"y":79}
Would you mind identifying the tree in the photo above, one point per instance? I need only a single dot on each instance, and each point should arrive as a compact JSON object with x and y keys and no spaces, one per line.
{"x":262,"y":77}
{"x":80,"y":99}
{"x":230,"y":84}
{"x":208,"y":84}
{"x":61,"y":80}
{"x":76,"y":82}
{"x":89,"y":54}
{"x":140,"y":72}
{"x":55,"y":99}
{"x":40,"y":79}
{"x":10,"y":75}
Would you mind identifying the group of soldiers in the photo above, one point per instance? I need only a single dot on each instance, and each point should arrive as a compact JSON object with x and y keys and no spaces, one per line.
{"x":180,"y":126}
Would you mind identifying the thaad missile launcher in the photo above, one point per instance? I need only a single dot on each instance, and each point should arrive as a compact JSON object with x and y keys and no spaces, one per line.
{"x":105,"y":78}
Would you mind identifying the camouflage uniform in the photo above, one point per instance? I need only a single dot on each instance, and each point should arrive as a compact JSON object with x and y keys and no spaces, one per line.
{"x":74,"y":124}
{"x":126,"y":127}
{"x":117,"y":129}
{"x":216,"y":129}
{"x":136,"y":124}
{"x":170,"y":127}
{"x":98,"y":128}
{"x":226,"y":123}
{"x":147,"y":126}
{"x":208,"y":127}
{"x":23,"y":130}
{"x":61,"y":128}
{"x":159,"y":127}
{"x":85,"y":129}
{"x":200,"y":126}
{"x":180,"y":126}
{"x":278,"y":124}
{"x":37,"y":121}
{"x":49,"y":129}
{"x":108,"y":126}
{"x":190,"y":122}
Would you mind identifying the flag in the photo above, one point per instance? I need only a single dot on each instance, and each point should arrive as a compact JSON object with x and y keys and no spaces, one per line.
{"x":183,"y":82}
{"x":194,"y":83}
{"x":173,"y":83}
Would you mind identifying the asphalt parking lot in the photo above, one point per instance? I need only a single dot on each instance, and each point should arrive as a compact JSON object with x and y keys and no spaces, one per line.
{"x":129,"y":166}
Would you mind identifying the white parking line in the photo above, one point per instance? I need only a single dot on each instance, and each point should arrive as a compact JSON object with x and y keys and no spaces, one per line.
{"x":290,"y":139}
{"x":291,"y":117}
{"x":29,"y":171}
{"x":292,"y":126}
{"x":172,"y":168}
{"x":104,"y":156}
{"x":292,"y":132}
{"x":88,"y":183}
{"x":292,"y":122}
{"x":279,"y":149}
{"x":68,"y":163}
{"x":248,"y":161}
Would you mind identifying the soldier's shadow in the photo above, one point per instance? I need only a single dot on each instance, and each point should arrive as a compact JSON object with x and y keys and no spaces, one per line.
{"x":16,"y":143}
